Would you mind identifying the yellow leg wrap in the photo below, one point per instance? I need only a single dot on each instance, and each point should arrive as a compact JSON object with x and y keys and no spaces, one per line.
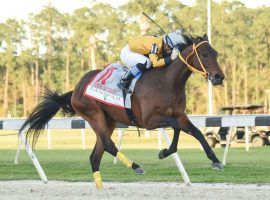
{"x":98,"y":180}
{"x":124,"y":159}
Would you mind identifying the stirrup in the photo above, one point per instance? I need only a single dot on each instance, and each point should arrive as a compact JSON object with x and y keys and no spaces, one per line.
{"x":125,"y":89}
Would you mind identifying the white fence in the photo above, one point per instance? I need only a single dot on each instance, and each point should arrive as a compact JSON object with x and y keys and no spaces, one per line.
{"x":199,"y":121}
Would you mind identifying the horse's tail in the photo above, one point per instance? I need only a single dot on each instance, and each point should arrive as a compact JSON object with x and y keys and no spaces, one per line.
{"x":51,"y":103}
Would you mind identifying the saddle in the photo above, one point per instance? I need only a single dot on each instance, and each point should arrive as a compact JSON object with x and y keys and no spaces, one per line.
{"x":103,"y":88}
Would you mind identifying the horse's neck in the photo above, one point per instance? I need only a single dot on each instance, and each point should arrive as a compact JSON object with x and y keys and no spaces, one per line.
{"x":178,"y":74}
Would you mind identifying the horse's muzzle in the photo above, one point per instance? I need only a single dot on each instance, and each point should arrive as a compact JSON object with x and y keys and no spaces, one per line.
{"x":217,"y":79}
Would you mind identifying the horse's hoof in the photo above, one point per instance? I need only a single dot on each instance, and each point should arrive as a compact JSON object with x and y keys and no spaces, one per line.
{"x":139,"y":171}
{"x":161,"y":154}
{"x":217,"y":166}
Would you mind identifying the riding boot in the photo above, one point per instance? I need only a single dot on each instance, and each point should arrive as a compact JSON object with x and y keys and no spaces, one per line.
{"x":126,"y":81}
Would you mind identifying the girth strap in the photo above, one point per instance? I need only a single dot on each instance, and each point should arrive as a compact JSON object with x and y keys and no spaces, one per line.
{"x":131,"y":115}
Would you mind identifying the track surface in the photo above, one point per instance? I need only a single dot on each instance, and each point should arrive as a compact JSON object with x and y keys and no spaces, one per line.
{"x":28,"y":190}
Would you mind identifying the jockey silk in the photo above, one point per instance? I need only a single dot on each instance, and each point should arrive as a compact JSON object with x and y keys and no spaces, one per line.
{"x":143,"y":44}
{"x":131,"y":59}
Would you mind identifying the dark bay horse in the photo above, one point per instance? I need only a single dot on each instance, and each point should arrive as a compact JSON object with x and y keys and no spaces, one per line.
{"x":159,"y":100}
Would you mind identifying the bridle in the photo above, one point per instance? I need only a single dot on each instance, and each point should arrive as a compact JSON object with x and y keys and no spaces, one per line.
{"x":193,"y":69}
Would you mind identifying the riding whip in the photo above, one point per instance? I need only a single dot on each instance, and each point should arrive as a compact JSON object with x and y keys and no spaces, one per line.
{"x":153,"y":22}
{"x":167,"y":38}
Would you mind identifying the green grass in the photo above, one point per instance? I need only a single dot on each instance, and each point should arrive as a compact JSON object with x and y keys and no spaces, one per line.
{"x":73,"y":165}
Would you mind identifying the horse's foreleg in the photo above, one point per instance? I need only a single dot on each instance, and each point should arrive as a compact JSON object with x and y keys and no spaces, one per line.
{"x":189,"y":128}
{"x":173,"y":147}
{"x":103,"y":129}
{"x":110,"y":147}
{"x":96,"y":156}
{"x":159,"y":121}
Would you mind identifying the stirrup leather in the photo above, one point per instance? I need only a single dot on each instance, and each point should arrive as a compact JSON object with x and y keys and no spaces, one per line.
{"x":124,"y":85}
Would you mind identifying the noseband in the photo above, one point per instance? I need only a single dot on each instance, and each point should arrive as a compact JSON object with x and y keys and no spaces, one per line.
{"x":193,"y":69}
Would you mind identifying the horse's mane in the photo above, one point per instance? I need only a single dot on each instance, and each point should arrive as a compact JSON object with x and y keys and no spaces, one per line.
{"x":189,"y":41}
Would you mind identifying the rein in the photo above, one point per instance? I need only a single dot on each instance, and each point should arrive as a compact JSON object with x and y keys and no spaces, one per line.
{"x":193,"y":69}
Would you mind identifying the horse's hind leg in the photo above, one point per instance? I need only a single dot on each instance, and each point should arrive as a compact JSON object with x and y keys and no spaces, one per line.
{"x":97,"y":154}
{"x":103,"y":128}
{"x":95,"y":159}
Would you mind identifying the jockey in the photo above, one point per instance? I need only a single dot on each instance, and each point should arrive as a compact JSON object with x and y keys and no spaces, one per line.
{"x":143,"y":52}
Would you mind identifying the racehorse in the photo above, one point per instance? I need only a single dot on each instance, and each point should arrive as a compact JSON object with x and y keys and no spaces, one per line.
{"x":158,"y":100}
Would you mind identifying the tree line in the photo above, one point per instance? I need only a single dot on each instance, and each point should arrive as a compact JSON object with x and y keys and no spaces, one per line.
{"x":54,"y":49}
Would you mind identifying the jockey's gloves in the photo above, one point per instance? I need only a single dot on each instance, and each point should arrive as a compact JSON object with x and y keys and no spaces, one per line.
{"x":174,"y":54}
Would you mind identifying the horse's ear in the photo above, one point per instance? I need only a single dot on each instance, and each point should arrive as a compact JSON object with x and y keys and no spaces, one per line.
{"x":205,"y":37}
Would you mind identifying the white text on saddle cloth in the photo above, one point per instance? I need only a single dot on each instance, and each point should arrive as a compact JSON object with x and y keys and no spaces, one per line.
{"x":103,"y":87}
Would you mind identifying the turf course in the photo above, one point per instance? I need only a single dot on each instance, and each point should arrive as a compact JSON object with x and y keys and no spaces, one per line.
{"x":73,"y":165}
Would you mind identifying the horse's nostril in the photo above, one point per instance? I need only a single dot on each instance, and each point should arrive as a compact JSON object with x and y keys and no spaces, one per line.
{"x":218,"y":77}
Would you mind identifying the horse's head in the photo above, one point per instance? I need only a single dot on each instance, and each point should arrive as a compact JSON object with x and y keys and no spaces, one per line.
{"x":200,"y":57}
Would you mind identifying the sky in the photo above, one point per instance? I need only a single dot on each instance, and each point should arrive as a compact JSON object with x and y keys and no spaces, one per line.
{"x":20,"y":9}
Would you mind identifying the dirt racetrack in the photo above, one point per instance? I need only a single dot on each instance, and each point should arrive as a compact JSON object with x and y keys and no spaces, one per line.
{"x":28,"y":190}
